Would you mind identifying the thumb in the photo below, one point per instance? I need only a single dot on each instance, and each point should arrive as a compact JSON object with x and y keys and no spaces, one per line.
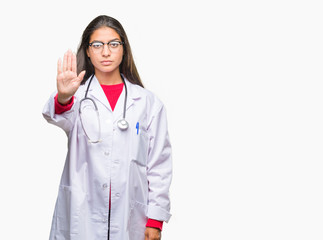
{"x":81,"y":75}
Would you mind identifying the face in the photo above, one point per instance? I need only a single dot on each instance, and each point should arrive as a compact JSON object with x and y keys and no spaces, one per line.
{"x":106,"y":60}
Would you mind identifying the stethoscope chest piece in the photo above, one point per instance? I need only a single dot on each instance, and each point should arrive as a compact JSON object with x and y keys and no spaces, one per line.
{"x":123,"y":124}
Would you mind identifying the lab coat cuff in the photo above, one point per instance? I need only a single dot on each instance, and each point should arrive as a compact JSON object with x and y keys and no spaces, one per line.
{"x":157,"y":213}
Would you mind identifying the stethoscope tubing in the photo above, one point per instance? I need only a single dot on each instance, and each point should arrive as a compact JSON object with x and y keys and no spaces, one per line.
{"x":122,"y":123}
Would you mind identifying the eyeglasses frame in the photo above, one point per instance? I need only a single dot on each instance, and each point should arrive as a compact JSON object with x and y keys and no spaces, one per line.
{"x":107,"y":43}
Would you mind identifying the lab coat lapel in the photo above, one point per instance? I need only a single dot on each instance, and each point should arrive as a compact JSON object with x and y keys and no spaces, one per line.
{"x":96,"y":92}
{"x":132,"y":96}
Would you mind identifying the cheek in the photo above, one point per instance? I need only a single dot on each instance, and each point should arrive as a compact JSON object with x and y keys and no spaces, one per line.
{"x":93,"y":59}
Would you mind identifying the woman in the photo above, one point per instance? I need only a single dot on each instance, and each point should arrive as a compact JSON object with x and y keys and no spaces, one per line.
{"x":118,"y":169}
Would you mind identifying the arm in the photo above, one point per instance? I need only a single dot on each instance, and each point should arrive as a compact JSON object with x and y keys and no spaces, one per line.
{"x":159,"y":167}
{"x":67,"y":84}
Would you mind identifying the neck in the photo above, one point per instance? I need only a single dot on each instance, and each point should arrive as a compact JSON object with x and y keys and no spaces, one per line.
{"x":108,"y":78}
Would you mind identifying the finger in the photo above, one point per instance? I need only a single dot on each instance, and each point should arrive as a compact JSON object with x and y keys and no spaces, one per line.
{"x":59,"y":66}
{"x":81,"y":76}
{"x":69,"y":60}
{"x":65,"y":62}
{"x":74,"y":66}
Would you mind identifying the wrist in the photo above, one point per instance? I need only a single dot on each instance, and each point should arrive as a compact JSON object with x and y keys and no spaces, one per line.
{"x":59,"y":108}
{"x":155,"y":224}
{"x":63,"y":100}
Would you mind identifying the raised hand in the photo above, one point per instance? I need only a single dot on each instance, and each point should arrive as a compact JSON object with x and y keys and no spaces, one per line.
{"x":67,"y":79}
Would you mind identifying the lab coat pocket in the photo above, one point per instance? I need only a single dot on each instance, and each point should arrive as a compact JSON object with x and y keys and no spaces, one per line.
{"x":139,"y":148}
{"x":137,"y":219}
{"x":68,"y":206}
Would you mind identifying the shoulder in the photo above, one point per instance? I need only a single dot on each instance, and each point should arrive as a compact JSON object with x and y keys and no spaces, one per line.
{"x":146,"y":95}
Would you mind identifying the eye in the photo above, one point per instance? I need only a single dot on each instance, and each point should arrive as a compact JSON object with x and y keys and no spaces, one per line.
{"x":114,"y":44}
{"x":97,"y":45}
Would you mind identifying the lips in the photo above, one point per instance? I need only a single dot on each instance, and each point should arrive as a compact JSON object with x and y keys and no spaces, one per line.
{"x":106,"y":62}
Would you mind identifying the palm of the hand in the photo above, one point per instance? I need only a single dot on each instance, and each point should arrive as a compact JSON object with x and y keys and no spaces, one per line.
{"x":67,"y":79}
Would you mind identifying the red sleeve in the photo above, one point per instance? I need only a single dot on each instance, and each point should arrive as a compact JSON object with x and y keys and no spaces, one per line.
{"x":59,"y":108}
{"x":154,"y":224}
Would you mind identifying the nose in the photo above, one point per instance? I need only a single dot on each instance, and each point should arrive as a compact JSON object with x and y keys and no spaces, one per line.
{"x":106,"y":50}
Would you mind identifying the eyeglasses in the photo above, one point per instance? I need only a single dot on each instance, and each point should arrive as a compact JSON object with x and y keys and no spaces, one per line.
{"x":114,"y":46}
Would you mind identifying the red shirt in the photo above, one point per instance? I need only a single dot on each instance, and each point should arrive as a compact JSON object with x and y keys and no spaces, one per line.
{"x":112,"y":93}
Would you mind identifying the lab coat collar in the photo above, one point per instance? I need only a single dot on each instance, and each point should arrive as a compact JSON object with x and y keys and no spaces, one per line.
{"x":96,"y":92}
{"x":133,"y":95}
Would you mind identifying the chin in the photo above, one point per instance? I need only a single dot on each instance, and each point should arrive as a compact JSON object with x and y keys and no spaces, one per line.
{"x":107,"y":69}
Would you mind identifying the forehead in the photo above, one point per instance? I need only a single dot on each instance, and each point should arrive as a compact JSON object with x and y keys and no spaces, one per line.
{"x":104,"y":34}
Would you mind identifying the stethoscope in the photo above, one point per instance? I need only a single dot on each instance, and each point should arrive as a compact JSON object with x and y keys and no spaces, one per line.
{"x":122,"y":123}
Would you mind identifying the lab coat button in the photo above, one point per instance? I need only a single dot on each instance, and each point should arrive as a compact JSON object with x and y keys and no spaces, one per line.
{"x":104,"y":220}
{"x":117,"y":195}
{"x":106,"y":153}
{"x":105,"y":185}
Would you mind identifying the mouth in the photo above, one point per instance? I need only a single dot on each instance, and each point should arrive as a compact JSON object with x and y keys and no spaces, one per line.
{"x":106,"y":62}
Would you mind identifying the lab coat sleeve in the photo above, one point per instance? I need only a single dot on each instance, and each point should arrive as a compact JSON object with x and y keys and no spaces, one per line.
{"x":64,"y":120}
{"x":159,"y":168}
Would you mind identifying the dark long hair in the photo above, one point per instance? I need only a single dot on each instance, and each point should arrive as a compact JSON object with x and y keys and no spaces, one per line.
{"x":127,"y":66}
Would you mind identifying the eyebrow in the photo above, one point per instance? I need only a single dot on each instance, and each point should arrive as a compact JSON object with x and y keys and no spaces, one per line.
{"x":115,"y":39}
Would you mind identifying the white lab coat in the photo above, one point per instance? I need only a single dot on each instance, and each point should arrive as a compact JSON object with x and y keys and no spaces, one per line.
{"x":138,"y":166}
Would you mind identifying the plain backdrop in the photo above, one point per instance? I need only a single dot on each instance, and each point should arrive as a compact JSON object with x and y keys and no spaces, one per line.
{"x":242,"y":85}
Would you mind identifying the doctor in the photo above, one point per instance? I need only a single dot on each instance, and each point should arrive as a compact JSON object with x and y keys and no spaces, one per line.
{"x":115,"y":183}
